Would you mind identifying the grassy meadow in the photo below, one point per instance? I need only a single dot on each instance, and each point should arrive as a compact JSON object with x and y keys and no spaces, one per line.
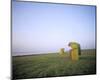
{"x":53,"y":65}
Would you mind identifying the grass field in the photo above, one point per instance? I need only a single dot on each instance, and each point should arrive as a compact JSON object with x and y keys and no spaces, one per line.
{"x":50,"y":65}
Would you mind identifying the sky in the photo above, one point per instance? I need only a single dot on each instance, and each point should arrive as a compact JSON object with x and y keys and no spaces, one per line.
{"x":45,"y":27}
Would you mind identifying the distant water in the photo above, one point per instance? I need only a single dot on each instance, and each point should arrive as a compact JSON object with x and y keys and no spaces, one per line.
{"x":23,"y":53}
{"x":28,"y":53}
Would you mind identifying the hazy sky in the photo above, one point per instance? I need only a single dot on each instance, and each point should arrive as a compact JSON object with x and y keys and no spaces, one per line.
{"x":43,"y":27}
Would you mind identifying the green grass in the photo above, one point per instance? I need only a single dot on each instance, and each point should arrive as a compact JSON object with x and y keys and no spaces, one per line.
{"x":50,"y":65}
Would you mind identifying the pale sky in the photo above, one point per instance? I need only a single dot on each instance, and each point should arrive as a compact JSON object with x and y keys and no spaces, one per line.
{"x":46,"y":27}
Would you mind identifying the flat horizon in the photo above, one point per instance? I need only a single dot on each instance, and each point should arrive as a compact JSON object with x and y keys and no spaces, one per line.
{"x":32,"y":53}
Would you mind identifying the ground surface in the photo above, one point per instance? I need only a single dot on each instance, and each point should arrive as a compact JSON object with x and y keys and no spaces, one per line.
{"x":50,"y":65}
